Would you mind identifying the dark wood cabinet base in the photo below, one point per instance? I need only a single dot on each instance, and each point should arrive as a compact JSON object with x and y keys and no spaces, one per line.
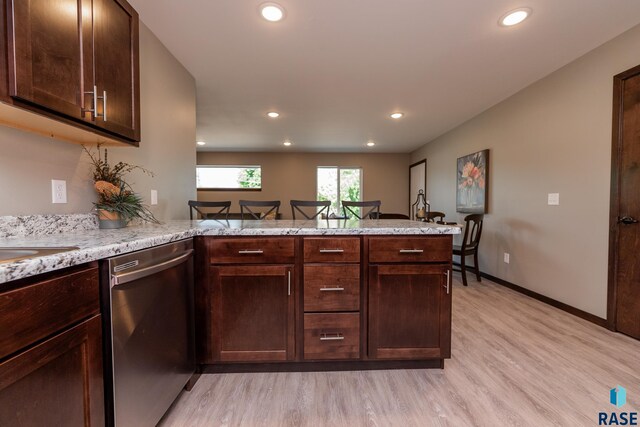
{"x":358,"y":365}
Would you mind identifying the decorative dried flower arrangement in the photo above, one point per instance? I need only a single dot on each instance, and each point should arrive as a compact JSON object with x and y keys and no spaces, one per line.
{"x":117,"y":204}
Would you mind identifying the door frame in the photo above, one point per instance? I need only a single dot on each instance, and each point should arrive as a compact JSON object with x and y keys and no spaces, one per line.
{"x":614,"y":210}
{"x":411,"y":198}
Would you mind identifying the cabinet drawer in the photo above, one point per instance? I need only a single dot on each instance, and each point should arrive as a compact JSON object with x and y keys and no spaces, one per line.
{"x":410,"y":249}
{"x":332,"y":287}
{"x":331,"y":336}
{"x":36,"y":311}
{"x":329,"y":249}
{"x":271,"y":250}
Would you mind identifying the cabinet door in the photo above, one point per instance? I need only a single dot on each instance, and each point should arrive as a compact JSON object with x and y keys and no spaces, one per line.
{"x":57,"y":382}
{"x":252,"y":313}
{"x":115,"y":51}
{"x":409,"y":312}
{"x":46,"y":65}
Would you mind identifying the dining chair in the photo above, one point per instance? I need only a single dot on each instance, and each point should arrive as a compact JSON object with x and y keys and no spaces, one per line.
{"x":435,"y":216}
{"x":296,"y":205}
{"x":274,"y":206}
{"x":197,"y":205}
{"x":353,"y":208}
{"x":470,"y":243}
{"x":393,"y":216}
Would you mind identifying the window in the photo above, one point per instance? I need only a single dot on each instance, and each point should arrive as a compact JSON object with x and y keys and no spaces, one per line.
{"x":337,"y":184}
{"x":229,"y":178}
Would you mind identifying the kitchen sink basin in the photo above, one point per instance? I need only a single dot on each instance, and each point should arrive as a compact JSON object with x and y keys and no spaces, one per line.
{"x":16,"y":254}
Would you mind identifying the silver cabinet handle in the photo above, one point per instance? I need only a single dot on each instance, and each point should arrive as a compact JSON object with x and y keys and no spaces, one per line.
{"x":104,"y":105}
{"x":448,"y":281}
{"x":331,"y":289}
{"x":411,"y":251}
{"x":250,"y":251}
{"x":331,"y":251}
{"x":331,"y":337}
{"x":288,"y":282}
{"x":94,"y":102}
{"x":94,"y":107}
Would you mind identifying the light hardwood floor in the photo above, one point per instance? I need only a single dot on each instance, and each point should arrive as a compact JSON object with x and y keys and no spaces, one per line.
{"x":516,"y":361}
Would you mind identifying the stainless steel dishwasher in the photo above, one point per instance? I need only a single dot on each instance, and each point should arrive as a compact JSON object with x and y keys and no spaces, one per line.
{"x":147,"y":302}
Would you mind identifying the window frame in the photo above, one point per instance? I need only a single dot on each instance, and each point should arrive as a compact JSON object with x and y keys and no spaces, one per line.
{"x":229,"y":167}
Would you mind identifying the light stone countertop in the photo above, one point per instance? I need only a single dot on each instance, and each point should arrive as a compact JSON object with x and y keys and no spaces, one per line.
{"x":95,"y":244}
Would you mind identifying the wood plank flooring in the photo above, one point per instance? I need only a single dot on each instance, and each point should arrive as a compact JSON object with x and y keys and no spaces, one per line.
{"x":516,"y":362}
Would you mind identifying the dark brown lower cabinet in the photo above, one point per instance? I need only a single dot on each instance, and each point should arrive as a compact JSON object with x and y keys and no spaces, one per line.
{"x":252,"y":313}
{"x":409,"y":311}
{"x":369,"y":302}
{"x":57,"y":382}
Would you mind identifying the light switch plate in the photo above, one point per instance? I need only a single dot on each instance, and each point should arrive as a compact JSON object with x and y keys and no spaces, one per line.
{"x":553,"y":199}
{"x":58,"y":191}
{"x":506,"y":258}
{"x":154,"y":197}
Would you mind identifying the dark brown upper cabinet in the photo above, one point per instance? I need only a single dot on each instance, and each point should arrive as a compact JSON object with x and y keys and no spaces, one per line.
{"x":76,"y":61}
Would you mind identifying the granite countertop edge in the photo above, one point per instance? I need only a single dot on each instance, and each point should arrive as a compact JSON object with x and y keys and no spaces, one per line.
{"x":97,"y":244}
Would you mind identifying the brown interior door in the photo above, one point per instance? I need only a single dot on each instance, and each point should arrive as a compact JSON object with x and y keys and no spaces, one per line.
{"x":46,"y":57}
{"x":116,"y":67}
{"x":624,"y":296}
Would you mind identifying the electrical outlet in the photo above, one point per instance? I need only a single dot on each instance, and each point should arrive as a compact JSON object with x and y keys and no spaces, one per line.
{"x":154,"y":197}
{"x":506,"y":258}
{"x":58,"y":191}
{"x":553,"y":199}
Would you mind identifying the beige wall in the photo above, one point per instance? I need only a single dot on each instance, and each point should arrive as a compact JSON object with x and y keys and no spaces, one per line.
{"x":552,"y":137}
{"x":287,"y":176}
{"x":28,"y":162}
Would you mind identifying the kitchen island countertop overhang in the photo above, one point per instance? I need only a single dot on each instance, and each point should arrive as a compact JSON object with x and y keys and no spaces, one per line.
{"x":99,"y":244}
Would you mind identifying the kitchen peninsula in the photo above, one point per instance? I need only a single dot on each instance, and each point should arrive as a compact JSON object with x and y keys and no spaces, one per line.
{"x":268,"y":295}
{"x":291,"y":291}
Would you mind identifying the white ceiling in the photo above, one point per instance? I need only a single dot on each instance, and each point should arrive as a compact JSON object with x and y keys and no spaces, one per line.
{"x":336,"y":69}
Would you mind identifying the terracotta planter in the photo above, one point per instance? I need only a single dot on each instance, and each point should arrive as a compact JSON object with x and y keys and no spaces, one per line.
{"x":110,"y":220}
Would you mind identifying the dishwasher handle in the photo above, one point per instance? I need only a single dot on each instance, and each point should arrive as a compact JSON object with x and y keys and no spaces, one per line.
{"x":121,"y":279}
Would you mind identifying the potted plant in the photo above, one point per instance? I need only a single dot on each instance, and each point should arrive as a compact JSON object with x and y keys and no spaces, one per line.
{"x":117,"y":203}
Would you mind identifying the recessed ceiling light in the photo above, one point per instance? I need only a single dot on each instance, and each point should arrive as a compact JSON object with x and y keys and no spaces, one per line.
{"x":272,"y":12}
{"x":370,"y":143}
{"x":514,"y":17}
{"x":201,"y":143}
{"x":397,"y":115}
{"x":273,"y":114}
{"x":287,"y":143}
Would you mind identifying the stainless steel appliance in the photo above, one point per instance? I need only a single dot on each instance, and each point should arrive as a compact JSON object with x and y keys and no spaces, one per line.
{"x":147,"y":299}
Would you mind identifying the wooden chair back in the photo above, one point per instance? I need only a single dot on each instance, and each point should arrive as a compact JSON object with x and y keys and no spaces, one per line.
{"x":274,"y":206}
{"x":196,"y":205}
{"x":296,"y":205}
{"x":353,"y":207}
{"x":472,"y":231}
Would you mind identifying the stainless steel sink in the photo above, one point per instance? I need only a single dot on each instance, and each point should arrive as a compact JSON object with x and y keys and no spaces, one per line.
{"x":16,"y":254}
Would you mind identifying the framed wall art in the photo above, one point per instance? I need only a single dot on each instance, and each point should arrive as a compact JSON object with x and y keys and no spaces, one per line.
{"x":472,"y":182}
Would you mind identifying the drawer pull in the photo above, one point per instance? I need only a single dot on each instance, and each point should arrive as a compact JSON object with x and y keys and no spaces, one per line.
{"x":250,"y":251}
{"x":331,"y":251}
{"x":337,"y":289}
{"x":411,"y":251}
{"x":331,"y":337}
